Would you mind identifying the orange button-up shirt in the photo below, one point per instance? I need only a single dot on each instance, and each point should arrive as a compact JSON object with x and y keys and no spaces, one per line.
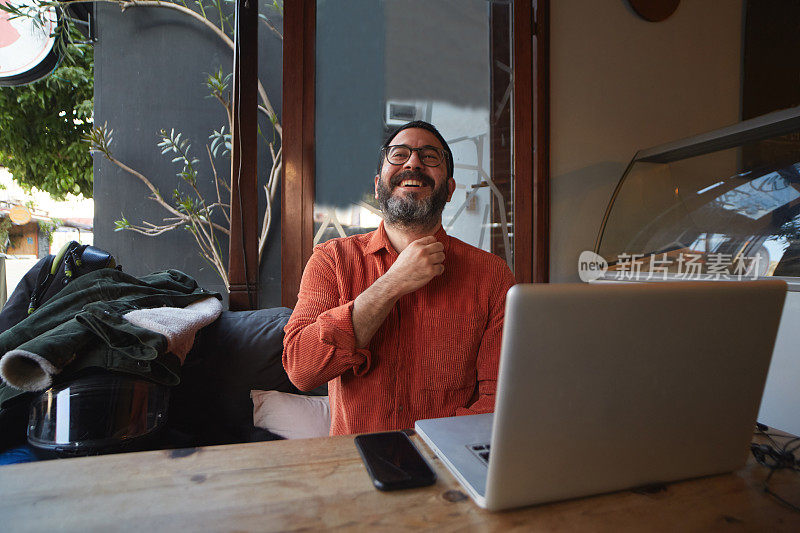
{"x":435,"y":355}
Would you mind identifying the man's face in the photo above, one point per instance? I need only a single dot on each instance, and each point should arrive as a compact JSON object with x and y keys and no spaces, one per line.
{"x":413,"y":194}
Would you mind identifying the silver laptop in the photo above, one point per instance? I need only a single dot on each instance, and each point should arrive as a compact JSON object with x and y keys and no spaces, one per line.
{"x":605,"y":387}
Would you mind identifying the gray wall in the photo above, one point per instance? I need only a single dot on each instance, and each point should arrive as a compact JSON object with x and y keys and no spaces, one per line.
{"x":150,"y":67}
{"x":620,"y":84}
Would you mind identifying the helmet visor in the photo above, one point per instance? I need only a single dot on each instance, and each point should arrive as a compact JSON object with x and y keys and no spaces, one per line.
{"x":96,"y":412}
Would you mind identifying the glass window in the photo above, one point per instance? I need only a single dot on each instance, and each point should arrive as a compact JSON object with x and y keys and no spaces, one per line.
{"x":382,"y":64}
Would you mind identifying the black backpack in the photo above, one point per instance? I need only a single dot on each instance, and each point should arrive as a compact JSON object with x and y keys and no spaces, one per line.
{"x":48,"y":276}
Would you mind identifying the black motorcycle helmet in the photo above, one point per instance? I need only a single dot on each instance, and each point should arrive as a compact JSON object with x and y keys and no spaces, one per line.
{"x":99,"y":413}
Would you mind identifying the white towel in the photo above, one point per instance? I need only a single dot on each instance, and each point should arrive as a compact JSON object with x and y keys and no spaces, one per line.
{"x":178,"y":325}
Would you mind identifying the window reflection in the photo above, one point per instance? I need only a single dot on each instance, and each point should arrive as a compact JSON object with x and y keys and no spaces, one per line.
{"x":450,"y":67}
{"x":668,"y":217}
{"x":760,"y":196}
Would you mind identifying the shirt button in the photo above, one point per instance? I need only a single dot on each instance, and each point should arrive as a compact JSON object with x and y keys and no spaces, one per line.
{"x":400,"y":408}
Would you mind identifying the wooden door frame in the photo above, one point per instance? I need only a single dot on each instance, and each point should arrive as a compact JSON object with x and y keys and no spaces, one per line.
{"x":539,"y":172}
{"x":531,"y":142}
{"x":297,"y":176}
{"x":243,"y":264}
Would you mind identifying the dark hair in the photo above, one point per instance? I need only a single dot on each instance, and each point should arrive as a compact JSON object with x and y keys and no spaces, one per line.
{"x":421,"y":124}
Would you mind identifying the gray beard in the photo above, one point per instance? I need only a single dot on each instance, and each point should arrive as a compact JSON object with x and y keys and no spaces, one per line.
{"x":411,"y":212}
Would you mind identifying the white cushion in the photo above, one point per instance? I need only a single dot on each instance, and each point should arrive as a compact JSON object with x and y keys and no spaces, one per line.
{"x":292,"y":416}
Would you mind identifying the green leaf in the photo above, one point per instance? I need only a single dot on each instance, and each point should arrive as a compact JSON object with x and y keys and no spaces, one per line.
{"x":121,"y":224}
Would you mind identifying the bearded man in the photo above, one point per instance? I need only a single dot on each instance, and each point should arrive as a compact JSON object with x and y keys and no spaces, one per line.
{"x":405,"y":322}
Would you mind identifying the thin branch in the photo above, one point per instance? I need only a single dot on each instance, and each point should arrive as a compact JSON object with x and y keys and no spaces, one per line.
{"x":221,"y":205}
{"x":149,"y":233}
{"x":154,"y":230}
{"x":173,"y":223}
{"x":210,"y":235}
{"x":215,"y":261}
{"x":277,"y":161}
{"x":221,"y":16}
{"x":213,"y":248}
{"x":269,"y":190}
{"x":273,"y":182}
{"x":227,"y":187}
{"x":271,"y":27}
{"x":268,"y":105}
{"x":125,"y":4}
{"x":262,"y":239}
{"x":228,"y":110}
{"x":211,"y":240}
{"x":206,"y":247}
{"x":269,"y":113}
{"x":202,"y":9}
{"x":156,"y":194}
{"x":216,"y":186}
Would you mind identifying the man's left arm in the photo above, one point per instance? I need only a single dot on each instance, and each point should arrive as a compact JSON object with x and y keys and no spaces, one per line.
{"x":488,"y":360}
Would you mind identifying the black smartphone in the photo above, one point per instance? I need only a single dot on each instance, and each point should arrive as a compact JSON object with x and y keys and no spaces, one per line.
{"x":393,"y":461}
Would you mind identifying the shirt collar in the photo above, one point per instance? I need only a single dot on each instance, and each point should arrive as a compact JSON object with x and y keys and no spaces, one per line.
{"x":379,"y":240}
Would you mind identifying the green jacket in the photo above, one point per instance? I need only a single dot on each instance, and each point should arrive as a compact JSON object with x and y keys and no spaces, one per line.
{"x":82,"y":326}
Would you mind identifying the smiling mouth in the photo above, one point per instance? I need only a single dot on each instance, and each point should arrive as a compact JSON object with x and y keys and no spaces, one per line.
{"x":411,"y":183}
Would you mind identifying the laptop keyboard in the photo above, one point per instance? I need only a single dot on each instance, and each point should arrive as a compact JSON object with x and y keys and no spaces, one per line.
{"x":481,"y":451}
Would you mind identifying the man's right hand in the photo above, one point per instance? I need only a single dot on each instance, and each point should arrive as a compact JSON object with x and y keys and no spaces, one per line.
{"x":417,"y":264}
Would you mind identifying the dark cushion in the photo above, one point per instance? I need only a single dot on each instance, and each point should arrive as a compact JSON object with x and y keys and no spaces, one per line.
{"x":239,"y":352}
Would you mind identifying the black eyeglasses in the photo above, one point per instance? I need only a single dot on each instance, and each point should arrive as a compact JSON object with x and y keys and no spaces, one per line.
{"x":398,"y":154}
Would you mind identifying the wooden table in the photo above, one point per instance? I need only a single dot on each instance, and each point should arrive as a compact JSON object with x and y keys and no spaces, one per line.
{"x":320,"y":483}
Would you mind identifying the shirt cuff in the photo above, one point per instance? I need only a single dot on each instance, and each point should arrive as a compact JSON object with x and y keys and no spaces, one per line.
{"x":336,"y":329}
